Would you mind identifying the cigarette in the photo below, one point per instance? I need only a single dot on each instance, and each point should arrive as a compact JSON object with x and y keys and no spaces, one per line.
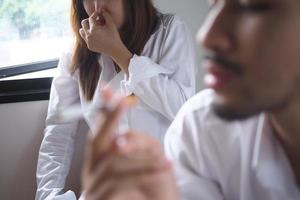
{"x":76,"y":112}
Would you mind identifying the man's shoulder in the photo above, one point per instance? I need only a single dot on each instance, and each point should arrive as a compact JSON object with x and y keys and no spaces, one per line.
{"x":199,"y":119}
{"x":192,"y":115}
{"x":199,"y":132}
{"x":199,"y":103}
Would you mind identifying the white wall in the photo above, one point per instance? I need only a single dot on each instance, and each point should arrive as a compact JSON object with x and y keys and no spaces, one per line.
{"x":193,"y":12}
{"x":21,"y":128}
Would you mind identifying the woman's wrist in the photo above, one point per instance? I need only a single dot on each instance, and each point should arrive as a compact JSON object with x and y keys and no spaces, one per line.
{"x":122,"y":57}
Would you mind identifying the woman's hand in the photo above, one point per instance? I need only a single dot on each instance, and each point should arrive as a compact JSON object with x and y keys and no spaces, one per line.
{"x":127,"y":167}
{"x":101,"y":36}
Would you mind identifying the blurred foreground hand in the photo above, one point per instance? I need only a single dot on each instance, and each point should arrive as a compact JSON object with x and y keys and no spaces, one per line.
{"x":131,"y":166}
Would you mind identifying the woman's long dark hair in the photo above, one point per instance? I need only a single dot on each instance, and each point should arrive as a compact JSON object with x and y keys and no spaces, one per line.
{"x":141,"y":21}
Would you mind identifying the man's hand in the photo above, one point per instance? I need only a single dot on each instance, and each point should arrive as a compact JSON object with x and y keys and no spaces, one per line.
{"x":127,"y":167}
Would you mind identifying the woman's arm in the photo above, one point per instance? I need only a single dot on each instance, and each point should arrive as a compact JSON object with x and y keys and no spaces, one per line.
{"x":166,"y":85}
{"x":56,"y":150}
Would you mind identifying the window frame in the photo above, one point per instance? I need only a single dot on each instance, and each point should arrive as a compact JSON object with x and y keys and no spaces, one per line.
{"x":24,"y":90}
{"x":15,"y":70}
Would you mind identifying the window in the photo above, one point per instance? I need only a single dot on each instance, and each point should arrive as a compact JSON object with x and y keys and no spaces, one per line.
{"x":33,"y":31}
{"x":33,"y":34}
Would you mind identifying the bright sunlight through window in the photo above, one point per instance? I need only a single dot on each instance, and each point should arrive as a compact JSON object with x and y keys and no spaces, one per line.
{"x":33,"y":30}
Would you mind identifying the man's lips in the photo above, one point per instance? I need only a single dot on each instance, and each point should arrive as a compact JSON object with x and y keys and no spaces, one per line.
{"x":217,"y":75}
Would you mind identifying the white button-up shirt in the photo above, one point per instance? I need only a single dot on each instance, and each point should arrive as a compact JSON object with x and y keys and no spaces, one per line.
{"x":162,"y":77}
{"x":216,"y":159}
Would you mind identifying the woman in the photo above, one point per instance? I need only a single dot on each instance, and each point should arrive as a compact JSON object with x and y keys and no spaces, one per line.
{"x":130,"y":47}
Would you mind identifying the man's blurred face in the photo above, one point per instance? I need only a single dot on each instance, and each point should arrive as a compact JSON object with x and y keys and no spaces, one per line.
{"x":253,"y":55}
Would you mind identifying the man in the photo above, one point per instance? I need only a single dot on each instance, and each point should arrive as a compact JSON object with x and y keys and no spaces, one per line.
{"x":240,"y":139}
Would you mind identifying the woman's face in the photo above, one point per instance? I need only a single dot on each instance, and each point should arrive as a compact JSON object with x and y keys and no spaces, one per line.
{"x":114,"y":7}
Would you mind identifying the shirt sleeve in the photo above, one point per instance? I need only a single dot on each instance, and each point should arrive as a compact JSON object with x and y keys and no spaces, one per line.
{"x":56,"y":149}
{"x":165,"y":85}
{"x":184,"y":148}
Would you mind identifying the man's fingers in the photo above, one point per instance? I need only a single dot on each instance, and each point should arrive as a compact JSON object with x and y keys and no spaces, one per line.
{"x":106,"y":93}
{"x":117,"y":189}
{"x":88,"y":156}
{"x":138,"y":151}
{"x":118,"y":165}
{"x":105,"y":133}
{"x":99,"y":175}
{"x":139,"y":143}
{"x":109,"y":120}
{"x":127,"y":185}
{"x":104,"y":192}
{"x":137,"y":164}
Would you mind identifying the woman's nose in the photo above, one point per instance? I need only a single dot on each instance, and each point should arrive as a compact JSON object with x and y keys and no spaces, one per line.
{"x":98,"y":5}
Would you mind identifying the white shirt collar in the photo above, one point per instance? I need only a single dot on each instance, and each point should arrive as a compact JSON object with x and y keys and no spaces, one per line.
{"x":269,"y":159}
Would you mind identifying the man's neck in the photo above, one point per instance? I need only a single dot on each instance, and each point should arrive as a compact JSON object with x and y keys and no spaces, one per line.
{"x":286,"y":124}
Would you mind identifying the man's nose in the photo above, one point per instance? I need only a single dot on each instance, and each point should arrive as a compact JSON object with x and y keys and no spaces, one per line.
{"x":215,"y":33}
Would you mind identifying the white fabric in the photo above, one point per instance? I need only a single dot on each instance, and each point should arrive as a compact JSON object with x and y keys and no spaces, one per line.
{"x":162,"y":78}
{"x":216,"y":159}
